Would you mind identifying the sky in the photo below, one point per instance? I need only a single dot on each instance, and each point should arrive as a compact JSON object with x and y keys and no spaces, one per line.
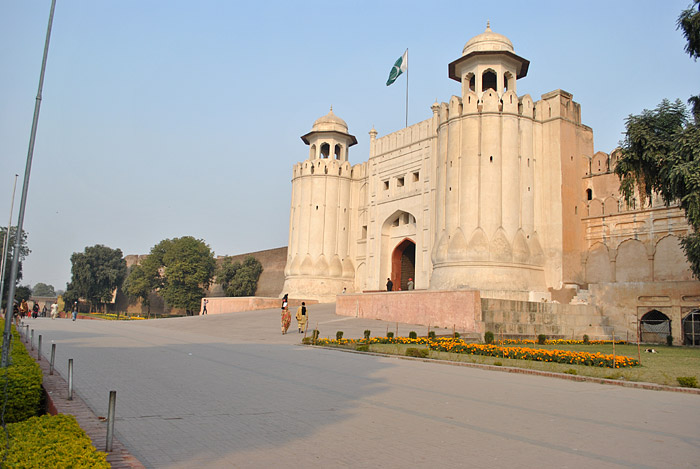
{"x":161,"y":119}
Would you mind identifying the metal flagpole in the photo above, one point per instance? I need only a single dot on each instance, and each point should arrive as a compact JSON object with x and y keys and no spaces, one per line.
{"x":6,"y":244}
{"x":4,"y":362}
{"x":406,"y":87}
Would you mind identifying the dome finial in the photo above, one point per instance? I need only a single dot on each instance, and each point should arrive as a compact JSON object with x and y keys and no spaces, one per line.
{"x":331,"y":108}
{"x":488,"y":25}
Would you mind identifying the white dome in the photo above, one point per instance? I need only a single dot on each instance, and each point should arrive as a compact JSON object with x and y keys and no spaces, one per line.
{"x":487,"y":41}
{"x":330,"y":122}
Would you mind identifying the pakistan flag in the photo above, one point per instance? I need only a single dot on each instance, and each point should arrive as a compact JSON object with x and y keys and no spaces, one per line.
{"x":399,"y":67}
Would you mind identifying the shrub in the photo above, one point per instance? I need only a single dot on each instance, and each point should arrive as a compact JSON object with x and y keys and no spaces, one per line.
{"x":24,"y":380}
{"x":669,"y":340}
{"x":541,"y":339}
{"x":488,"y":337}
{"x":417,"y":352}
{"x":314,"y":334}
{"x":338,"y":335}
{"x":571,"y":371}
{"x":307,"y":341}
{"x":389,"y":335}
{"x":367,"y":334}
{"x":497,"y":364}
{"x":50,"y":441}
{"x":457,"y":335}
{"x":586,"y":339}
{"x":431,"y":334}
{"x":412,"y":335}
{"x":362,"y":348}
{"x":687,"y":381}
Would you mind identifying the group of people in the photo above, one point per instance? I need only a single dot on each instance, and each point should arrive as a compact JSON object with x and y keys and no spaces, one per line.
{"x":21,"y":310}
{"x":390,"y":285}
{"x":302,"y":317}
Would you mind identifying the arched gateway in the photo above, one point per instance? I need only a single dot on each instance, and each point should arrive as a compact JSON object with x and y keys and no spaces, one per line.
{"x":403,"y":263}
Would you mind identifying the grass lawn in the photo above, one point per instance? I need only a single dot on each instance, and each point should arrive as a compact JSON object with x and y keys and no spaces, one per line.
{"x":661,"y":368}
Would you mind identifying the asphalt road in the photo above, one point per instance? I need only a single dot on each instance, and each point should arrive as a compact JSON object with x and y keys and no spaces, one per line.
{"x":231,"y":391}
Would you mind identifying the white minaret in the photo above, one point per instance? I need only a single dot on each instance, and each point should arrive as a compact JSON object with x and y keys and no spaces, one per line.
{"x":318,"y":263}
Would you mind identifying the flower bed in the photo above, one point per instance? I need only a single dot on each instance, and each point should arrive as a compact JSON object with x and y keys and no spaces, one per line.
{"x":518,"y":353}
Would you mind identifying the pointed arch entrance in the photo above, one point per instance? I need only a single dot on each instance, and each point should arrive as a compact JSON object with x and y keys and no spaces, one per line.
{"x":403,"y":264}
{"x":655,"y":326}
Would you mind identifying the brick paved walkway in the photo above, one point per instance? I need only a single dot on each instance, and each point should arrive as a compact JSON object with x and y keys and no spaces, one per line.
{"x":231,"y":391}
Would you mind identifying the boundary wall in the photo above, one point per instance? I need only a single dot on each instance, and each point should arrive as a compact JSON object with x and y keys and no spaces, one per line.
{"x":228,"y":304}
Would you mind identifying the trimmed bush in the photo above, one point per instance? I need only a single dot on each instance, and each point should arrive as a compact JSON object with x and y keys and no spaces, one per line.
{"x":24,"y":378}
{"x":412,"y":335}
{"x":541,"y":339}
{"x":488,"y":337}
{"x":687,"y":381}
{"x":338,"y":335}
{"x":586,"y":339}
{"x":367,"y":334}
{"x":389,"y":335}
{"x":362,"y":348}
{"x":431,"y":334}
{"x":314,"y":334}
{"x":669,"y":340}
{"x":50,"y":441}
{"x":417,"y":352}
{"x":457,"y":336}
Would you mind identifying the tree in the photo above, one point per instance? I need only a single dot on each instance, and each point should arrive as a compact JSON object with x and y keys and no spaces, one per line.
{"x":180,"y":270}
{"x":22,"y":293}
{"x":24,"y":252}
{"x":689,"y":23}
{"x":96,"y":273}
{"x":140,"y":284}
{"x":239,"y":279}
{"x":42,"y":289}
{"x":660,"y":151}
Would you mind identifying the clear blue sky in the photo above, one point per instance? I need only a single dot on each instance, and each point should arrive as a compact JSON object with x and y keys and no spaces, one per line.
{"x":163,"y":119}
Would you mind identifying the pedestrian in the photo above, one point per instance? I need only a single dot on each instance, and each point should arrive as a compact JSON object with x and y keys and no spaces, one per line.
{"x":15,"y":312}
{"x":35,"y":310}
{"x":75,"y":311}
{"x":286,"y":319}
{"x":54,"y":310}
{"x":302,"y":317}
{"x":43,"y":311}
{"x":204,"y":308}
{"x":23,"y":309}
{"x":410,"y":285}
{"x":344,"y":291}
{"x":389,"y":285}
{"x":285,"y":301}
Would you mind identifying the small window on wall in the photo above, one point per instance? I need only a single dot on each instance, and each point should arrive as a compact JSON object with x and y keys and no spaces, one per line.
{"x":386,"y":185}
{"x":589,"y":194}
{"x":363,"y":234}
{"x":472,"y":82}
{"x":325,"y":150}
{"x":399,"y":182}
{"x":337,"y":152}
{"x":416,"y":176}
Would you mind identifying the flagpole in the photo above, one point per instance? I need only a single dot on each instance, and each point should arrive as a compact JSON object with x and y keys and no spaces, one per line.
{"x":406,"y":87}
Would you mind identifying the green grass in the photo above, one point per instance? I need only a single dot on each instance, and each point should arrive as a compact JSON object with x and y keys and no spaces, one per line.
{"x":660,"y":368}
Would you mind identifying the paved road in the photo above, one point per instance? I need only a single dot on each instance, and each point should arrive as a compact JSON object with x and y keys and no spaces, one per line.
{"x":231,"y":391}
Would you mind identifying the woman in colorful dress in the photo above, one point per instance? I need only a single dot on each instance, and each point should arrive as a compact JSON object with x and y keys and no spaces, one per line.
{"x":286,"y":316}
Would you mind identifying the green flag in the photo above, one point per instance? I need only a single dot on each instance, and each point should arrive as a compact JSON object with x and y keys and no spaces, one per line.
{"x":399,"y":67}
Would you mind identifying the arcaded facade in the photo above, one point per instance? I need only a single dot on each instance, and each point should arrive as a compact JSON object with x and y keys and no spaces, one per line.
{"x":495,"y":192}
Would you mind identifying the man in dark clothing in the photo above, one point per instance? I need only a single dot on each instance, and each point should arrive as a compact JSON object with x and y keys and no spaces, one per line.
{"x":389,"y":284}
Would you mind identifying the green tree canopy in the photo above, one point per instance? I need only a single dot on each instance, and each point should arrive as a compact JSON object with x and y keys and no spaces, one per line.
{"x":23,"y":292}
{"x":96,"y":273}
{"x":180,"y":270}
{"x":239,"y":279}
{"x":139,"y":284}
{"x":42,"y":289}
{"x":24,"y":252}
{"x":660,"y":151}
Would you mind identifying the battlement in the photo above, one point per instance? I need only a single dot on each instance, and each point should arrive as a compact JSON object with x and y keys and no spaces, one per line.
{"x":402,"y":138}
{"x":328,"y":167}
{"x":557,"y":104}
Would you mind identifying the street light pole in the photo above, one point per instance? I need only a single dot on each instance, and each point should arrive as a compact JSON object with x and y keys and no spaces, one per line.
{"x":5,"y":360}
{"x":5,"y":245}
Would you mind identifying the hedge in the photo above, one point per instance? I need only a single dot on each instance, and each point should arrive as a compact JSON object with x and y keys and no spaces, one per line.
{"x":54,"y":441}
{"x":23,"y":378}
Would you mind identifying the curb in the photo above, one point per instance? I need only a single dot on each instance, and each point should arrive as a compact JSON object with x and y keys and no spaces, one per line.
{"x":524,"y":371}
{"x":56,"y":389}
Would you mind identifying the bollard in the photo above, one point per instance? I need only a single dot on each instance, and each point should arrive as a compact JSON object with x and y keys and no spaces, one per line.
{"x":53,"y":358}
{"x":32,"y":341}
{"x":38,"y":353}
{"x":26,"y":334}
{"x":110,"y":419}
{"x":70,"y":379}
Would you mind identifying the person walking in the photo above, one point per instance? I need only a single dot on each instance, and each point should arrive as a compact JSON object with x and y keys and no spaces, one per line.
{"x":54,"y":310}
{"x":35,"y":310}
{"x":410,"y":285}
{"x":302,"y":317}
{"x":204,"y":308}
{"x":389,"y":285}
{"x":75,"y":311}
{"x":286,"y":319}
{"x":23,"y":308}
